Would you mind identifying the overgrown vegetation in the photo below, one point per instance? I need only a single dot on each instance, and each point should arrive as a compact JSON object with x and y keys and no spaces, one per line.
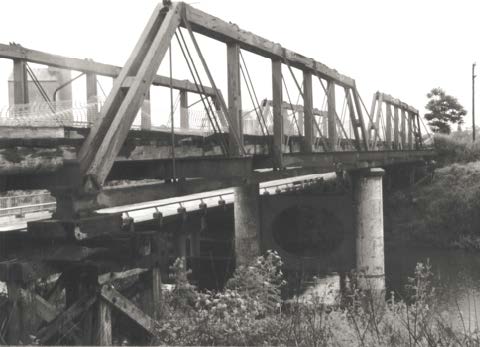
{"x":444,"y":212}
{"x":456,"y":148}
{"x":250,"y":312}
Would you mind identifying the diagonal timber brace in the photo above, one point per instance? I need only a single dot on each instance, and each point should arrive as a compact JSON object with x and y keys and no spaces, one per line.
{"x":104,"y":142}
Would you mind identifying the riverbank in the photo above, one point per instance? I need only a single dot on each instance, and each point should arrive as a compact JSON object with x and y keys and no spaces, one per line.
{"x":250,"y":312}
{"x":442,"y":211}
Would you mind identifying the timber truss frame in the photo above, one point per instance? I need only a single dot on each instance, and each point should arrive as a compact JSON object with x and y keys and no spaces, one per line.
{"x":402,"y":129}
{"x":104,"y":142}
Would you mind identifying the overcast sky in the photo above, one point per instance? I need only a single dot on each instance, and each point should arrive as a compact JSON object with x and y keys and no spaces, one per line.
{"x":403,"y":48}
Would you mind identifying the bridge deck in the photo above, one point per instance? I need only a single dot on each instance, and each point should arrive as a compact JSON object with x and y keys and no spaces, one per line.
{"x":35,"y":162}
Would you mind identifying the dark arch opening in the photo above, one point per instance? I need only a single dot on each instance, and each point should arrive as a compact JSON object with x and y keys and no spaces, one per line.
{"x":309,"y":232}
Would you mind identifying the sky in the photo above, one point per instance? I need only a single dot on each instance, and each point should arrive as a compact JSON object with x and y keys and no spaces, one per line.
{"x":403,"y":48}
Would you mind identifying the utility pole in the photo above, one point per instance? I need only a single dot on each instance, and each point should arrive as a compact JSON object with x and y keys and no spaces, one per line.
{"x":473,"y":101}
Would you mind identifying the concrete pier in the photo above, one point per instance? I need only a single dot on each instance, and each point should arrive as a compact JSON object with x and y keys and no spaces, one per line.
{"x":368,"y":200}
{"x":247,"y":223}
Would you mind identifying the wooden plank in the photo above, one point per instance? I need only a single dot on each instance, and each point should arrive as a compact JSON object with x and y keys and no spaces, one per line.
{"x":419,"y":130}
{"x":102,"y":331}
{"x":105,"y":140}
{"x":92,"y":97}
{"x":118,"y":301}
{"x":113,"y":276}
{"x":157,"y":292}
{"x":358,"y":108}
{"x":376,"y":121}
{"x":388,"y":126}
{"x":393,"y":101}
{"x":77,"y":229}
{"x":332,"y":117}
{"x":62,"y":323}
{"x":20,"y":82}
{"x":277,"y":99}
{"x":43,"y":308}
{"x":184,"y":119}
{"x":396,"y":129}
{"x":403,"y":132}
{"x":355,"y":123}
{"x":410,"y":130}
{"x":307,"y":112}
{"x":234,"y":98}
{"x":373,"y":108}
{"x":88,"y":66}
{"x":14,"y":327}
{"x":218,"y":29}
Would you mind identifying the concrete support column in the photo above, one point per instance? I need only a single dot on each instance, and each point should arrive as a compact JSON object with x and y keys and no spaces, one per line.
{"x":247,"y":223}
{"x":368,"y":201}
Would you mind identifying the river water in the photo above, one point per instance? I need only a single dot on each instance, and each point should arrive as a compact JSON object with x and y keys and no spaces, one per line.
{"x":456,"y":278}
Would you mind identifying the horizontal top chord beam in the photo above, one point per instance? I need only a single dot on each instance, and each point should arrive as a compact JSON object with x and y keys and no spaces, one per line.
{"x":395,"y":102}
{"x":218,"y":29}
{"x":88,"y":66}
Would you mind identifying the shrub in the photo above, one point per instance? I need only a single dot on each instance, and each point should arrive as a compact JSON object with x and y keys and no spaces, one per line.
{"x":249,"y":312}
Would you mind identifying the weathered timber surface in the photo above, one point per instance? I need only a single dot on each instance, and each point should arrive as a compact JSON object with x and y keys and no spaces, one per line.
{"x":87,"y":66}
{"x":40,"y":155}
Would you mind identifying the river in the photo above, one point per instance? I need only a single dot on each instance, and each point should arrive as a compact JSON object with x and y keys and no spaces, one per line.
{"x":456,"y":278}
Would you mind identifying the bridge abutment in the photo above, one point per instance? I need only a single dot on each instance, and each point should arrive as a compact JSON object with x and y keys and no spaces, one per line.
{"x":368,"y":209}
{"x":247,"y":223}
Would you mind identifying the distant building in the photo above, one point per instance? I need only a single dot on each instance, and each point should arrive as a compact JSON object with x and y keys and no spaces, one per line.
{"x":50,"y":79}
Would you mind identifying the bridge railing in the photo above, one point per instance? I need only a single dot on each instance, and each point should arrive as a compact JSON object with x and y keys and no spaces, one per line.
{"x":21,"y":204}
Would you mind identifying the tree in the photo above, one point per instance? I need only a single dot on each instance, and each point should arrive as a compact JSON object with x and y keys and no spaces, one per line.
{"x":443,"y":110}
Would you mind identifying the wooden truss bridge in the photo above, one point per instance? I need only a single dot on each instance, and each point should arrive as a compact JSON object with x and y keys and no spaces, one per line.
{"x":79,"y":164}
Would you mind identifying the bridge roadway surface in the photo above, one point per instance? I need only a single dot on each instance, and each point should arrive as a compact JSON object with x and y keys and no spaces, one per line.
{"x":144,"y":211}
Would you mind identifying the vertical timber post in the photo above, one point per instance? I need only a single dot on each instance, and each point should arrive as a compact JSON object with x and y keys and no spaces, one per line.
{"x":184,"y":121}
{"x":395,"y":128}
{"x":277,"y":99}
{"x":403,"y":132}
{"x":234,"y":97}
{"x":368,"y":201}
{"x":410,"y":129}
{"x":102,"y":335}
{"x":332,"y":124}
{"x":307,"y":112}
{"x":146,"y":113}
{"x":388,"y":130}
{"x":247,"y":223}
{"x":20,"y":82}
{"x":92,"y":97}
{"x":22,"y":317}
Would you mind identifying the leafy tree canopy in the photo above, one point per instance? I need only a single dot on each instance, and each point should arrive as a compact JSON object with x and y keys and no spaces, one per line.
{"x":443,"y":110}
